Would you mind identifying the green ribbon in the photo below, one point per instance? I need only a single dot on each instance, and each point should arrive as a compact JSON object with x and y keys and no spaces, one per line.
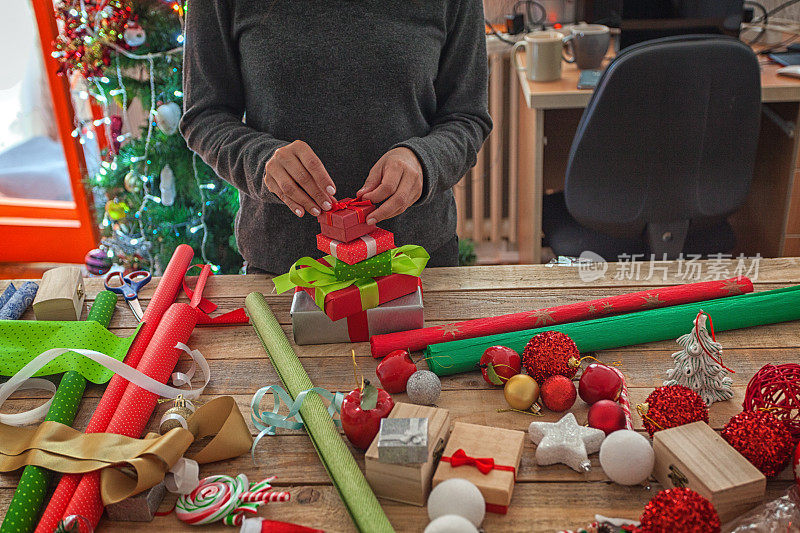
{"x":311,"y":273}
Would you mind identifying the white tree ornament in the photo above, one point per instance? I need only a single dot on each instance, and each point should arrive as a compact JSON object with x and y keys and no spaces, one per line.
{"x":699,"y":365}
{"x":167,"y":186}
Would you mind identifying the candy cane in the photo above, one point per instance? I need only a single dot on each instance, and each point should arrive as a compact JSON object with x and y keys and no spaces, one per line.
{"x":623,"y":399}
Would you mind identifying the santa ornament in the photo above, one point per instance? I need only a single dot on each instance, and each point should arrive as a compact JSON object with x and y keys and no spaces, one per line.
{"x":134,"y":35}
{"x":698,"y":365}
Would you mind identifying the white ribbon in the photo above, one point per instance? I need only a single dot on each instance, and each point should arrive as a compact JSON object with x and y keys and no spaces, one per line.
{"x":183,"y":477}
{"x":23,"y":380}
{"x":372,"y":245}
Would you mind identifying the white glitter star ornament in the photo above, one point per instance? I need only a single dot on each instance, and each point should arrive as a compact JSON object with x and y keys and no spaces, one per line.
{"x":565,"y":442}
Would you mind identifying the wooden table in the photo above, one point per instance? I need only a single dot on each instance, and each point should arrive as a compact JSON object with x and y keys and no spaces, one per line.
{"x":548,"y":116}
{"x":546,"y":498}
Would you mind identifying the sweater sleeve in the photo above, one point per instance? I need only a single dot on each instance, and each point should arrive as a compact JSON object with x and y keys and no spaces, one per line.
{"x":214,"y":102}
{"x":462,"y":120}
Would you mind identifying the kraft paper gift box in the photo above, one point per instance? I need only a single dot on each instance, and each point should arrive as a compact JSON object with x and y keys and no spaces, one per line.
{"x":697,"y":457}
{"x":488,"y":457}
{"x":358,"y":249}
{"x":311,"y":326}
{"x":409,"y":483}
{"x":347,"y":220}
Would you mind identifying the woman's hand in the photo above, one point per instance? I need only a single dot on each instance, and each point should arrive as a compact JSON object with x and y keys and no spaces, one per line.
{"x":395,"y":180}
{"x":295,"y":174}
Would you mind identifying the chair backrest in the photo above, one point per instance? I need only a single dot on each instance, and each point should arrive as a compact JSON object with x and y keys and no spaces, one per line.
{"x":669,"y":136}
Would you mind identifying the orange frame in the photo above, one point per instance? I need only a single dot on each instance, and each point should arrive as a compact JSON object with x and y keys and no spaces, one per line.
{"x":43,"y":230}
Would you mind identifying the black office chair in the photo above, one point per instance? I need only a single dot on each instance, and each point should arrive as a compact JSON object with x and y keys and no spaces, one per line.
{"x":663,"y":153}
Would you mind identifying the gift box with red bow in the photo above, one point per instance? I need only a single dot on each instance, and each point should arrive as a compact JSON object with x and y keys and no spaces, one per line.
{"x":347,"y":219}
{"x":359,"y":249}
{"x":488,"y":457}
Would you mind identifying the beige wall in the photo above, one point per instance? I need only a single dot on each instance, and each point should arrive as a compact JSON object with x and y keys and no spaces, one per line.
{"x":791,"y":12}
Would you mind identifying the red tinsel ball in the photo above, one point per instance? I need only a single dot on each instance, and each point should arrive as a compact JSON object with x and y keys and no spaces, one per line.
{"x":761,"y":438}
{"x":777,"y":389}
{"x":551,"y":353}
{"x":679,"y":511}
{"x":558,"y":393}
{"x":669,"y":407}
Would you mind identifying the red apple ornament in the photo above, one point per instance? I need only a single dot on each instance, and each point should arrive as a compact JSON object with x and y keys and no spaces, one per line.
{"x":394,"y":371}
{"x":607,"y":415}
{"x":599,"y":382}
{"x":498,"y":364}
{"x":558,"y":393}
{"x":361,"y":414}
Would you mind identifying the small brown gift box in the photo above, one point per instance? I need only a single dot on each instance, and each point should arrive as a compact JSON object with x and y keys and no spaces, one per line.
{"x":60,"y":295}
{"x":697,"y":457}
{"x":409,"y":483}
{"x":488,"y":457}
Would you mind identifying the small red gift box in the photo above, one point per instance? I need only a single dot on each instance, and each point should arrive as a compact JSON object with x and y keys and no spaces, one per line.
{"x":346,"y":234}
{"x":346,"y":213}
{"x":359,"y":249}
{"x":367,"y":294}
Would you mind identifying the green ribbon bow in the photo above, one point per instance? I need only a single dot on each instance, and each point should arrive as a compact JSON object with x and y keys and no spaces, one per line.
{"x":308,"y":272}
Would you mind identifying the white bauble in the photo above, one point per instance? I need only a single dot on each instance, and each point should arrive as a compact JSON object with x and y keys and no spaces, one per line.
{"x":457,"y":496}
{"x":627,"y":457}
{"x":167,"y":117}
{"x":167,"y":186}
{"x":134,"y":35}
{"x":451,"y":523}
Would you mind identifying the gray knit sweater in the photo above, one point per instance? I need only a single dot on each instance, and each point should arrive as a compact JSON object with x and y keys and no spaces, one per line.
{"x":353,"y":79}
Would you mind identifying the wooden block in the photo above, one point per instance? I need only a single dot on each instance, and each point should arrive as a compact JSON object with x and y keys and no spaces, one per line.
{"x":409,"y":483}
{"x":504,"y":446}
{"x":60,"y":295}
{"x":139,"y":508}
{"x":697,"y":457}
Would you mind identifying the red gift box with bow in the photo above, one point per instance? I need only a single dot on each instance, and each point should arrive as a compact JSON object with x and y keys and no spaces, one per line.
{"x":486,"y":456}
{"x":347,"y":219}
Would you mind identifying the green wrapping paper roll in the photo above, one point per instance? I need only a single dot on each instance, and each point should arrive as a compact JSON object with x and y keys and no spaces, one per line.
{"x":734,"y":312}
{"x":23,"y":512}
{"x":353,"y":488}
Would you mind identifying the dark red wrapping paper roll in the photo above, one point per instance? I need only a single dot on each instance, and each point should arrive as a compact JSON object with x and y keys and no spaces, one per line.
{"x":419,"y":339}
{"x":168,"y":288}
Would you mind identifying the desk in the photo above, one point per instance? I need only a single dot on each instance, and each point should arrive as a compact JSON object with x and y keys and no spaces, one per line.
{"x":545,"y":498}
{"x":549,"y":112}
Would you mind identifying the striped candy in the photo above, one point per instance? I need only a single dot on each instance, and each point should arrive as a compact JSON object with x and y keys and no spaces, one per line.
{"x":228,"y":499}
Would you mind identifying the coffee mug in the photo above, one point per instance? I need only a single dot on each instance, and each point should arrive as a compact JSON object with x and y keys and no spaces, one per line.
{"x":542,"y":55}
{"x":588,"y":44}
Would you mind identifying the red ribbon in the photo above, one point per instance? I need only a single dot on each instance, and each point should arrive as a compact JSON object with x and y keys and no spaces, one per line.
{"x":205,"y":306}
{"x":358,"y":327}
{"x":483,"y":464}
{"x":349,"y":203}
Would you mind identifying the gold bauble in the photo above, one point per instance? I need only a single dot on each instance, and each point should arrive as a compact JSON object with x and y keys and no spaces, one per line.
{"x":176,"y":416}
{"x":521,"y":391}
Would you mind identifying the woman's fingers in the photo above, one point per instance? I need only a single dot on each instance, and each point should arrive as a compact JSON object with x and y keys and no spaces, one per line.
{"x":395,"y":204}
{"x":274,"y":188}
{"x":293,"y":192}
{"x":296,"y":175}
{"x":373,"y":179}
{"x":390,"y":179}
{"x":314,"y":167}
{"x":302,"y":177}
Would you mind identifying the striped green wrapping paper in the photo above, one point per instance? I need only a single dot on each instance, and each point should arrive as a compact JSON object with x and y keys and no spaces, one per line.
{"x":353,"y":488}
{"x":734,"y":312}
{"x":23,"y":512}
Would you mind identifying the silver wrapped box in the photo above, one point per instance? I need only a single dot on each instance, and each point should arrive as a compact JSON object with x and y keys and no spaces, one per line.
{"x":311,"y":325}
{"x":403,"y":440}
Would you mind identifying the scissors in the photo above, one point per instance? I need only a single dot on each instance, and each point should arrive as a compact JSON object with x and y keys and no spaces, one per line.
{"x":129,"y":287}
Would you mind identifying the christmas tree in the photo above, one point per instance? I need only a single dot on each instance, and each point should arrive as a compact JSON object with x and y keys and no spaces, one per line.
{"x":151,"y":192}
{"x":698,"y":365}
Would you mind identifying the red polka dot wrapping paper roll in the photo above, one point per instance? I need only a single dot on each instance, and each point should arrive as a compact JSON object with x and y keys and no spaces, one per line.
{"x":165,"y":293}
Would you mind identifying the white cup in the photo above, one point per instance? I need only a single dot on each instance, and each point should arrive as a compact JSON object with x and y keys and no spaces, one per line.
{"x":543,"y":55}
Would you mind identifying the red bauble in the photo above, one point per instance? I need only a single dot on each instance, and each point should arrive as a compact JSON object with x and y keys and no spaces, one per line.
{"x":551,"y":353}
{"x":394,"y":371}
{"x":776,"y":388}
{"x":505,"y":363}
{"x":607,"y":415}
{"x":359,"y":425}
{"x":599,"y":382}
{"x":762,"y":439}
{"x":679,"y":510}
{"x":669,"y":407}
{"x":558,"y":393}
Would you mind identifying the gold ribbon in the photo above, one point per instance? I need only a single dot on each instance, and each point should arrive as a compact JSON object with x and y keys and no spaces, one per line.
{"x":129,"y":466}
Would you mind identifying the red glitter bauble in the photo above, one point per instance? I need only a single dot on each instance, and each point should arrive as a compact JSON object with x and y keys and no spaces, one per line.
{"x":551,"y":353}
{"x":762,"y":439}
{"x":669,"y":407}
{"x":776,"y":388}
{"x":558,"y":393}
{"x":679,"y":511}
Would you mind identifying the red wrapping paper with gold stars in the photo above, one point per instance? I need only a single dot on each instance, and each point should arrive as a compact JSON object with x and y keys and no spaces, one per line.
{"x":419,"y":339}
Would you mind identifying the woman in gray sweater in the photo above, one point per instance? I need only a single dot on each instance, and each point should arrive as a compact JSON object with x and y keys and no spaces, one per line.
{"x":300,"y":102}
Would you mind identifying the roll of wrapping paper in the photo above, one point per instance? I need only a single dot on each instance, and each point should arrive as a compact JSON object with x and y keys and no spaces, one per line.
{"x":743,"y":311}
{"x":419,"y":339}
{"x":29,"y":496}
{"x":7,"y":293}
{"x":168,"y":288}
{"x":353,"y":488}
{"x":22,"y":298}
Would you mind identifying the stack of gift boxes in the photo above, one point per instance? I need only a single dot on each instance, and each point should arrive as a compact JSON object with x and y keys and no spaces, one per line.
{"x":365,"y":285}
